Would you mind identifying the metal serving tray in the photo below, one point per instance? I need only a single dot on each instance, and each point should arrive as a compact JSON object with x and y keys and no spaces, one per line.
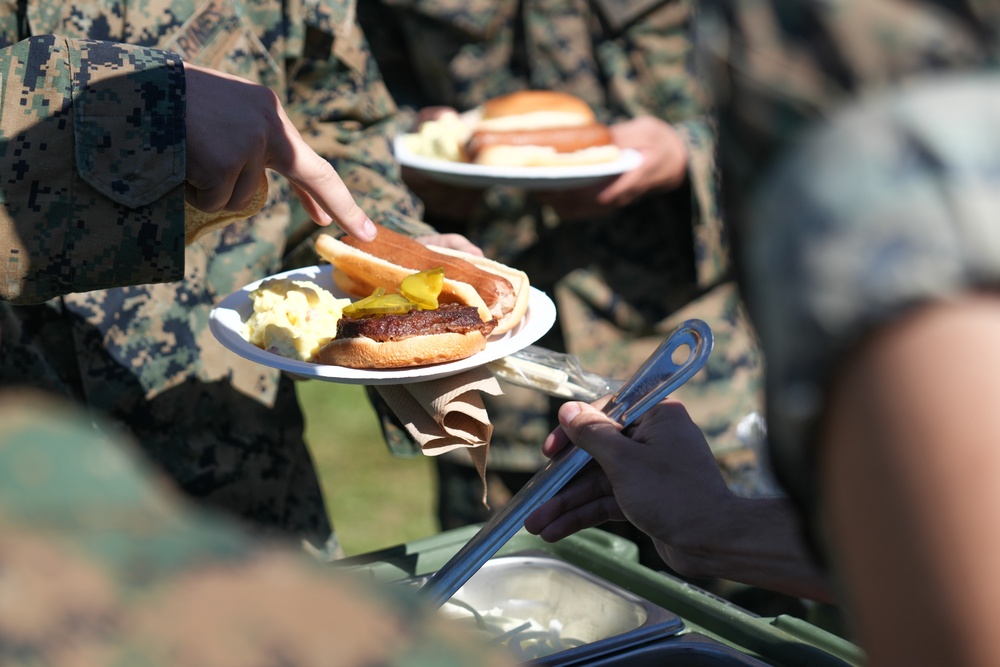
{"x":551,"y":612}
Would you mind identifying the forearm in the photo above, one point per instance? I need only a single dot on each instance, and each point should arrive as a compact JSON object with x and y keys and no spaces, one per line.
{"x":755,"y":541}
{"x":682,"y":500}
{"x":97,"y":202}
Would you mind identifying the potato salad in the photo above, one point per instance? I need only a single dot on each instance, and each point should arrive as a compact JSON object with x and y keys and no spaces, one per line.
{"x":293,"y":318}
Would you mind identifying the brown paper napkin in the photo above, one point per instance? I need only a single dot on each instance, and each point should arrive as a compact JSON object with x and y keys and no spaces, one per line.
{"x":447,"y":413}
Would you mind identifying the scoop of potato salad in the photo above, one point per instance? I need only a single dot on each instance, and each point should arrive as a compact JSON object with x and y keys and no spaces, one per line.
{"x":293,"y":318}
{"x":442,"y":138}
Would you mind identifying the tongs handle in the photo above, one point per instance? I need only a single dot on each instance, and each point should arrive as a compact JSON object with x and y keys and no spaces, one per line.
{"x":654,"y":381}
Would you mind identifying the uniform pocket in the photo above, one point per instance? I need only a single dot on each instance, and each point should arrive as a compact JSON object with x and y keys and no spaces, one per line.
{"x":128,"y":121}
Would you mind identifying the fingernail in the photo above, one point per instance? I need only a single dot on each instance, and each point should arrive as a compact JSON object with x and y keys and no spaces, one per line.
{"x":368,"y":229}
{"x":568,"y":413}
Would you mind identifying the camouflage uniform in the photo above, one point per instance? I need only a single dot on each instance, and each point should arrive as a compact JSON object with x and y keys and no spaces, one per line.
{"x":622,"y":281}
{"x":101,"y":562}
{"x":102,"y":565}
{"x":859,"y":148}
{"x":144,"y":244}
{"x":227,"y":430}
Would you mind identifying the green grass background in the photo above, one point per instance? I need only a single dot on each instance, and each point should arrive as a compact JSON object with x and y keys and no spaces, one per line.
{"x":375,"y":499}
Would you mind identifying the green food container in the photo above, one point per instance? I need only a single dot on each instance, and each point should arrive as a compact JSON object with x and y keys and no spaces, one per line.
{"x":601,"y":608}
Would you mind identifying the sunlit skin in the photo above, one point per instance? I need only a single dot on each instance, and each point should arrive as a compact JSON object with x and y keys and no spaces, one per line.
{"x":911,"y":471}
{"x":227,"y":153}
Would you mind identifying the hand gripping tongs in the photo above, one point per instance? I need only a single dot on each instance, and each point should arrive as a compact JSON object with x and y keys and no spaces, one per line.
{"x":657,"y":378}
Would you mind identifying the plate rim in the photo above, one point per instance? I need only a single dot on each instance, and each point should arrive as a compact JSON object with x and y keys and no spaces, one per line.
{"x":539,"y":318}
{"x":630,"y":158}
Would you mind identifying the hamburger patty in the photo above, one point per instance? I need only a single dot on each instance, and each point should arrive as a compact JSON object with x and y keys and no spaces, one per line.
{"x":448,"y":318}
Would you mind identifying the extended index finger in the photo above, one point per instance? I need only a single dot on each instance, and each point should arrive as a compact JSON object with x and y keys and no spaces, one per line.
{"x":310,"y":173}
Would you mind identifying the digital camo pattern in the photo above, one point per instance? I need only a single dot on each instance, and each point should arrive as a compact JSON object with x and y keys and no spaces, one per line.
{"x":472,"y":51}
{"x":66,"y":226}
{"x":861,"y":167}
{"x":622,"y":281}
{"x":101,"y":564}
{"x":228,"y":430}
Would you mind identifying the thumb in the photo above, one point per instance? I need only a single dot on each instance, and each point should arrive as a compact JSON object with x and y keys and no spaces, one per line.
{"x":591,"y":430}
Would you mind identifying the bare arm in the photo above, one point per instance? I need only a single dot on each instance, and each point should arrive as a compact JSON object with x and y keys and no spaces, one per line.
{"x":911,"y":467}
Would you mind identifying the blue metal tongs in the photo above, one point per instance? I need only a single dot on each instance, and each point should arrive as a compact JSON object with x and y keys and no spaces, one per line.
{"x":655,"y":380}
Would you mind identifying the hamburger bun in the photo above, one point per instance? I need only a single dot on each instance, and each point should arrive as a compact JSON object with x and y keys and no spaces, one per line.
{"x":422,"y":350}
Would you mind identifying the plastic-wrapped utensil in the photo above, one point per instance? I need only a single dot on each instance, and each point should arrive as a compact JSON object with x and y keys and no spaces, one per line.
{"x":554,"y":373}
{"x":657,"y":378}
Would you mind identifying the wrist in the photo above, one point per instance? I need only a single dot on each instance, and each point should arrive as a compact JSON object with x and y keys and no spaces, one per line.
{"x":763,"y":547}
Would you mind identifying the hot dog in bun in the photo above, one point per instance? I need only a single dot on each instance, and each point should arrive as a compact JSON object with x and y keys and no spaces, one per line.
{"x":529,"y":128}
{"x":473,"y":298}
{"x":539,"y":128}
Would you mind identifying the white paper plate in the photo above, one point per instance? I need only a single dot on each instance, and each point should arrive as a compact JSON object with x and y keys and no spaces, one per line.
{"x":227,"y":319}
{"x":529,"y":178}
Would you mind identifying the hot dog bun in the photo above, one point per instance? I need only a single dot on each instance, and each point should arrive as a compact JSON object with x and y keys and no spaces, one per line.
{"x":518,"y":280}
{"x":497,"y":291}
{"x":534,"y":101}
{"x":539,"y":128}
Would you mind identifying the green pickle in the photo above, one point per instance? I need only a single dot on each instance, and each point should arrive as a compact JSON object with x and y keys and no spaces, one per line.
{"x":423,"y":288}
{"x":419,"y":290}
{"x":379,"y":303}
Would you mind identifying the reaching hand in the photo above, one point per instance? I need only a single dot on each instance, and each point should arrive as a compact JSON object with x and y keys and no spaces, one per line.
{"x":236,"y":129}
{"x":660,"y":465}
{"x":661,"y":476}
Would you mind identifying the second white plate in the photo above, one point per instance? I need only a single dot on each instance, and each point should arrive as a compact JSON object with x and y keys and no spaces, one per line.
{"x":530,"y":178}
{"x":228,"y":317}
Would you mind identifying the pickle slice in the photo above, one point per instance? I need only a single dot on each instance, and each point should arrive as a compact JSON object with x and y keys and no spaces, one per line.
{"x":423,"y":288}
{"x":379,"y":303}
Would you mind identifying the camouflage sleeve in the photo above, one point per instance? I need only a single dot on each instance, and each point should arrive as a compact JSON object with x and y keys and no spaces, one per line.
{"x":98,"y":557}
{"x":847,"y":208}
{"x":775,"y":69}
{"x":114,"y":215}
{"x":343,"y":109}
{"x":657,"y":76}
{"x":889,"y":205}
{"x":711,"y":251}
